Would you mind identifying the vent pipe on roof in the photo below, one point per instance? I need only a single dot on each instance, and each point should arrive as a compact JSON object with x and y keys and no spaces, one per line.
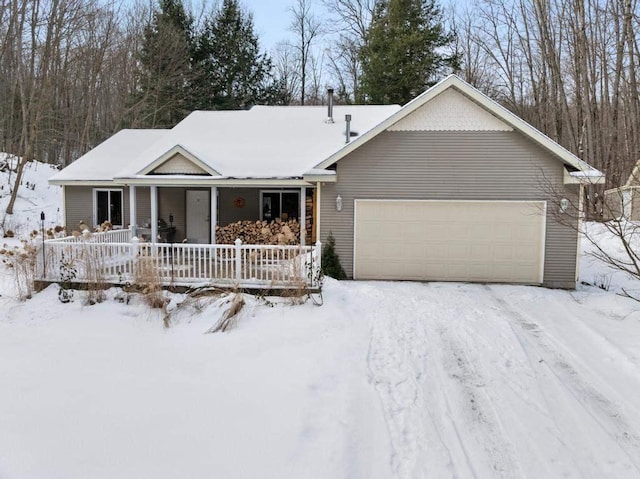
{"x":329,"y":105}
{"x":347,"y":133}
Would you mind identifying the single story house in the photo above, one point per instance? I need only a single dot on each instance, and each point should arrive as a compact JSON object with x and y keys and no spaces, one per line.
{"x":449,"y":187}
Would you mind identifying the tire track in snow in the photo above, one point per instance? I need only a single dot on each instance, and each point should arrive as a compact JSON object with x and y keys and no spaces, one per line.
{"x":396,"y":383}
{"x":486,"y":424}
{"x":439,"y":417}
{"x":604,"y":412}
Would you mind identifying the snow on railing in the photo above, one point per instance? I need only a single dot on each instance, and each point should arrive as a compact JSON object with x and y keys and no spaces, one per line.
{"x":249,"y":266}
{"x":111,"y":236}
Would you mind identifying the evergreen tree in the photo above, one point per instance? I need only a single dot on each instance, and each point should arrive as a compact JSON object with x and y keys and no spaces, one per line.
{"x":235,"y":74}
{"x":165,"y":74}
{"x":403,"y":53}
{"x":331,"y":261}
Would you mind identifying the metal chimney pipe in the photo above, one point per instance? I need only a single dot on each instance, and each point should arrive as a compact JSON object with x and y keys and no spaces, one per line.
{"x":347,"y":119}
{"x":329,"y":105}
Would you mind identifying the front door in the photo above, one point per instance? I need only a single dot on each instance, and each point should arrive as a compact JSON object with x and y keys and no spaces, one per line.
{"x":198,"y":219}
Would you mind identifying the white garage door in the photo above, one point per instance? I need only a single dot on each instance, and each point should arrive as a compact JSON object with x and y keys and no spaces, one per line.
{"x":485,"y":241}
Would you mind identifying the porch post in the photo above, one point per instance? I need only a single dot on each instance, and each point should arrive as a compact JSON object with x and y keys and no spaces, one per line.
{"x":154,"y":214}
{"x":214,"y":213}
{"x":132,"y":210}
{"x":303,"y":215}
{"x":317,"y":206}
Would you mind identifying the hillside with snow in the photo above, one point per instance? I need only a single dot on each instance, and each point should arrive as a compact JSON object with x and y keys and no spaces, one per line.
{"x":35,"y":195}
{"x":385,"y":380}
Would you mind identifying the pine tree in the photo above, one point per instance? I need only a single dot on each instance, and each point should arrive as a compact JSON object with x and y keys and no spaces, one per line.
{"x":165,"y":75}
{"x":403,"y":54}
{"x":331,"y":261}
{"x":235,"y":74}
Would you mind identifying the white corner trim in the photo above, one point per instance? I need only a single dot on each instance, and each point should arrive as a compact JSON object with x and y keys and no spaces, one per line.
{"x":543,"y":242}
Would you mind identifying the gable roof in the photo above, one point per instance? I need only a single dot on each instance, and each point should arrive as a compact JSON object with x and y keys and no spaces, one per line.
{"x":501,"y":113}
{"x":171,"y":156}
{"x":292,"y":142}
{"x":100,"y":163}
{"x":265,"y":142}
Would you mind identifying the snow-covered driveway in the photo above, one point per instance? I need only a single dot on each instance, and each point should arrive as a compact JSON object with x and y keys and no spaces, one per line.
{"x":403,"y":380}
{"x":500,"y":381}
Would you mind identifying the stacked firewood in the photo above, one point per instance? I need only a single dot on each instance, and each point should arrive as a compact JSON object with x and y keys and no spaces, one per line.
{"x":276,"y":232}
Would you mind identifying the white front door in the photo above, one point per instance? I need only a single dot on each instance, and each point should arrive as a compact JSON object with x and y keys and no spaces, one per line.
{"x":198,"y":221}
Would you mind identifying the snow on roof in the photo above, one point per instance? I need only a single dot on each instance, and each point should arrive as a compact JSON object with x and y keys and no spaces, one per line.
{"x":110,"y":156}
{"x":490,"y":105}
{"x":264,"y":142}
{"x":587,"y":173}
{"x":273,"y":141}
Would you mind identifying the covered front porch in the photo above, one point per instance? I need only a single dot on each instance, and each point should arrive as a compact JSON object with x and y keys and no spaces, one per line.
{"x":118,"y":257}
{"x":202,"y":215}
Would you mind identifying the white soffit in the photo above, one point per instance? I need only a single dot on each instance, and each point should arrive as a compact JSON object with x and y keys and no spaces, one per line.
{"x":179,"y":165}
{"x":450,"y":111}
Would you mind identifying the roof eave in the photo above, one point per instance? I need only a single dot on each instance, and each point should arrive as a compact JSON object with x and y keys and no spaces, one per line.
{"x":188,"y":180}
{"x":326,"y":176}
{"x":453,"y":81}
{"x":81,"y":182}
{"x":592,"y":177}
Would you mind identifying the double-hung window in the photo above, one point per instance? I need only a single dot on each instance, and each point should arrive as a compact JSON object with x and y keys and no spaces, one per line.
{"x":107,"y":206}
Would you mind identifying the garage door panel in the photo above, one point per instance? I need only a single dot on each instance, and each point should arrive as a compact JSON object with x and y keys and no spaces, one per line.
{"x":414,"y":229}
{"x":487,"y":241}
{"x":457,"y":249}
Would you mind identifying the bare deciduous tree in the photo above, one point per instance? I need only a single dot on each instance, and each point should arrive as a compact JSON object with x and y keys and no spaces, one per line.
{"x":307,"y":29}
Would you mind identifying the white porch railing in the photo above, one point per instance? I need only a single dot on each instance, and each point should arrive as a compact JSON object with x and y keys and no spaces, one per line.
{"x":248,"y":266}
{"x":111,"y":236}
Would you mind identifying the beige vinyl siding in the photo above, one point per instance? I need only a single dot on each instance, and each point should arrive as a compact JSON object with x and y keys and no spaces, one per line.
{"x":143,"y":205}
{"x":79,"y":205}
{"x":635,"y":203}
{"x":172,"y":201}
{"x":451,"y":165}
{"x":229,"y":213}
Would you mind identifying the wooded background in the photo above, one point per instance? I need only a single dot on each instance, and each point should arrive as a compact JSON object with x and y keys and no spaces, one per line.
{"x":73,"y":72}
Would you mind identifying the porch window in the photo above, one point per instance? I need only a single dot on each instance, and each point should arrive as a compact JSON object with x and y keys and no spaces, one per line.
{"x":107,"y":206}
{"x":279,"y":204}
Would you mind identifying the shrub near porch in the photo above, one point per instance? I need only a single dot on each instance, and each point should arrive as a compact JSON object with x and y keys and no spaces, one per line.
{"x":275,"y":232}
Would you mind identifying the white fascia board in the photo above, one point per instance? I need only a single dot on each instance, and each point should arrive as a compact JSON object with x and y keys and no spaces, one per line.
{"x":324,"y":176}
{"x":177,"y":149}
{"x":588,"y":177}
{"x":453,"y":81}
{"x":183,"y":180}
{"x":104,"y":183}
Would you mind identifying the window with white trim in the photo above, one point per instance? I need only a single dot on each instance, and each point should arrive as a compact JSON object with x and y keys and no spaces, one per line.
{"x":279,"y":204}
{"x":107,"y":206}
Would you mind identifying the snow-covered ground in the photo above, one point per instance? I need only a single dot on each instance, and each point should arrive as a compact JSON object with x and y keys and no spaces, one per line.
{"x":35,"y":195}
{"x":385,"y":380}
